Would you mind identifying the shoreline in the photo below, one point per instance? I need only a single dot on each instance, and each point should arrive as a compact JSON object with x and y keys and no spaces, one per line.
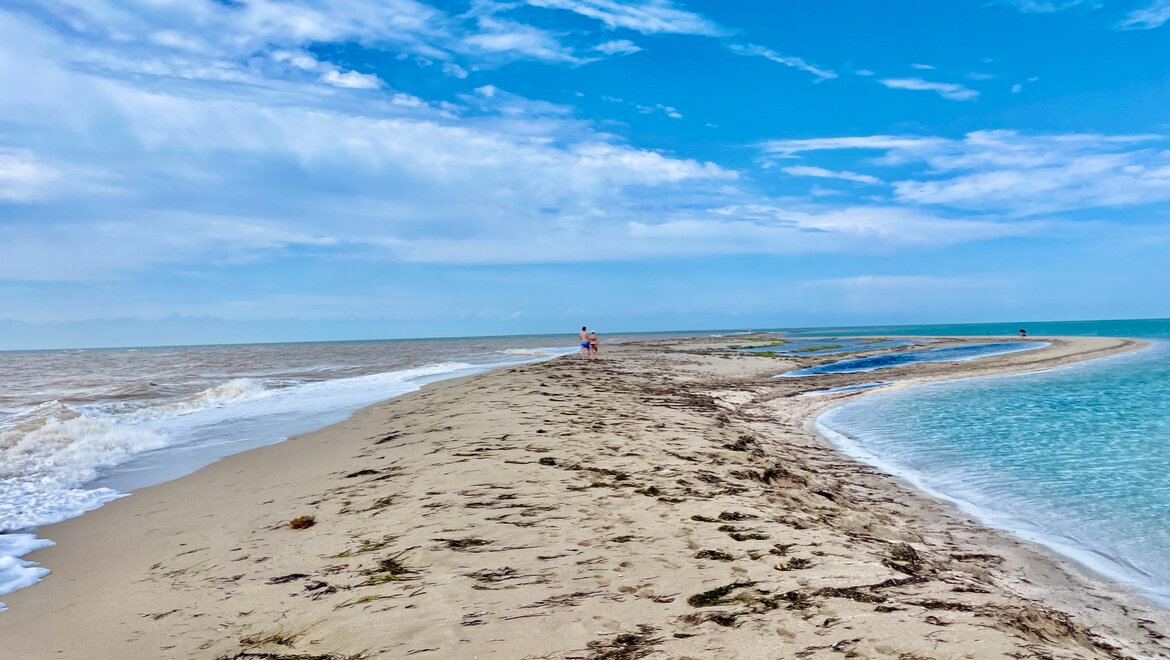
{"x":200,"y":588}
{"x":1083,"y":559}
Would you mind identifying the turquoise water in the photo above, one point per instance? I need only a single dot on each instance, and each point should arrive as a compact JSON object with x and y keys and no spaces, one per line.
{"x":1155,"y":328}
{"x":1077,"y":458}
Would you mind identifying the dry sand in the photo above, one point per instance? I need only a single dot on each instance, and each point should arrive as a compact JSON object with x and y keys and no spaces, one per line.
{"x":662,"y":502}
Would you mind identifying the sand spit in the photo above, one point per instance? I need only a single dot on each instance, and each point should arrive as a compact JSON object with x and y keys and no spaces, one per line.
{"x":664,"y":502}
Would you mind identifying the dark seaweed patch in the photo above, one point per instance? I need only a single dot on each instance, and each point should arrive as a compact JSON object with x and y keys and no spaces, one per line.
{"x":717,"y":596}
{"x":627,"y":646}
{"x":303,"y":522}
{"x":736,"y":516}
{"x":284,"y":579}
{"x":463,"y":544}
{"x":390,"y":569}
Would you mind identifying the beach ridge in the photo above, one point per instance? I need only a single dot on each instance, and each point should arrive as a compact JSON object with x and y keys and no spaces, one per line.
{"x":669,"y":500}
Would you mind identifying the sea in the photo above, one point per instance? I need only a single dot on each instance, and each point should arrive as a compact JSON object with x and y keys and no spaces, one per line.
{"x":1076,"y":459}
{"x":81,"y":428}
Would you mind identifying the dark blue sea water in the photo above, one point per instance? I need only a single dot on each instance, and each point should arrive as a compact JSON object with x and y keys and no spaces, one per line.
{"x":1076,"y":458}
{"x":837,"y":346}
{"x":952,"y":354}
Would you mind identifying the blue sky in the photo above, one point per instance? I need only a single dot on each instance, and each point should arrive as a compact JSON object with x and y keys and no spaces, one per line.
{"x":204,"y":171}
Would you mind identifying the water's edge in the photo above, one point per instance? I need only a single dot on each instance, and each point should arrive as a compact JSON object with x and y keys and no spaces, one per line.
{"x":1087,"y":561}
{"x":18,"y":544}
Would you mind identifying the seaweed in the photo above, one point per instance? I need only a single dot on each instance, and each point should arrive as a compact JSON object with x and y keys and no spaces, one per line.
{"x":284,"y":579}
{"x":717,"y":555}
{"x":505,"y":573}
{"x":736,"y":516}
{"x":463,"y":544}
{"x":795,"y":564}
{"x":649,"y":491}
{"x":717,"y":596}
{"x":743,"y":443}
{"x":627,"y":646}
{"x":368,"y":546}
{"x":933,"y":604}
{"x":742,"y":534}
{"x":852,"y":593}
{"x":303,"y":522}
{"x":390,"y":569}
{"x":288,"y":656}
{"x":279,"y":639}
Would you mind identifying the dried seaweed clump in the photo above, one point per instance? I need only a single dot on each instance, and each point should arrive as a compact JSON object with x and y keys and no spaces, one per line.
{"x":303,"y":522}
{"x":627,"y":646}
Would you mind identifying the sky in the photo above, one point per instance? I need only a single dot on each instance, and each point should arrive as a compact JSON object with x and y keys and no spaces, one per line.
{"x":211,"y":171}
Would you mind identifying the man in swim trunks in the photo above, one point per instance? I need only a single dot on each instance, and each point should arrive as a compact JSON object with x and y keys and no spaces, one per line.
{"x":584,"y":338}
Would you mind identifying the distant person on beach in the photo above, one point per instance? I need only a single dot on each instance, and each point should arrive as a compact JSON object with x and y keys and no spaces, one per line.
{"x":1023,"y":333}
{"x":593,"y":345}
{"x":584,"y":337}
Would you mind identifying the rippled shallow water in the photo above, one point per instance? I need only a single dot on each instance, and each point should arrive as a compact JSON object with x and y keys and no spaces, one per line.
{"x":1077,"y":458}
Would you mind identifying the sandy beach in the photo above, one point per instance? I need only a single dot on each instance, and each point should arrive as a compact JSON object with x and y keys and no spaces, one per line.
{"x":668,"y":500}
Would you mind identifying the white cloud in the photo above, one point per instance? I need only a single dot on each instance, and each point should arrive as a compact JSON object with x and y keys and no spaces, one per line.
{"x":498,"y":36}
{"x":23,"y":178}
{"x":1154,"y":16}
{"x":787,"y":148}
{"x":454,"y":70}
{"x":645,"y":16}
{"x":753,"y":50}
{"x":1048,"y":6}
{"x":922,"y":67}
{"x":1010,"y":173}
{"x":1017,"y":88}
{"x":352,"y":80}
{"x":73,"y":252}
{"x":952,"y":91}
{"x":874,"y":282}
{"x":1025,"y":175}
{"x":903,"y":296}
{"x":618,"y":47}
{"x":667,"y":110}
{"x":865,"y":73}
{"x":820,"y":172}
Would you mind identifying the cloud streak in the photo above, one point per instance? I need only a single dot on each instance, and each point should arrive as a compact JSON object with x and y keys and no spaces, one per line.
{"x":820,"y":172}
{"x":754,"y":50}
{"x":1148,"y":18}
{"x":645,"y":16}
{"x":1008,"y":172}
{"x":952,"y":91}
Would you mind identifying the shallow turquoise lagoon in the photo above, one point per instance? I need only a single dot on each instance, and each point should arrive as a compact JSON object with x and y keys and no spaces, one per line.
{"x":1076,"y":458}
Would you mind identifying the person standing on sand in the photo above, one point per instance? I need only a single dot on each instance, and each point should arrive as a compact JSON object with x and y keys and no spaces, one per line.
{"x":593,"y":345}
{"x":584,"y":338}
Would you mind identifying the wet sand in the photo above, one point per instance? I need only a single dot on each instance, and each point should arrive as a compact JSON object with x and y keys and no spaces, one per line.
{"x":666,"y":501}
